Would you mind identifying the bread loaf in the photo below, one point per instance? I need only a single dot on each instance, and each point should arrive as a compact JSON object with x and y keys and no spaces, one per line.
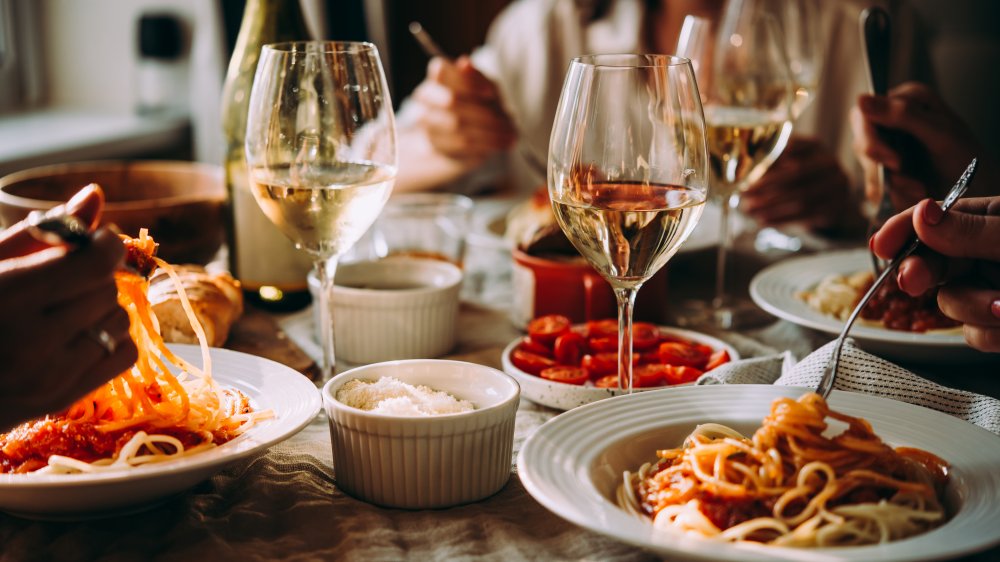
{"x":215,"y":298}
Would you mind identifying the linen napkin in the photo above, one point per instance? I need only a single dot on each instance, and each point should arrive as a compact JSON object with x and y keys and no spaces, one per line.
{"x":861,"y":372}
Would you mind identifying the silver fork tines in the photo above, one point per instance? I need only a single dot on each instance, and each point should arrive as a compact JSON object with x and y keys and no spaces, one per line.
{"x":830,"y":373}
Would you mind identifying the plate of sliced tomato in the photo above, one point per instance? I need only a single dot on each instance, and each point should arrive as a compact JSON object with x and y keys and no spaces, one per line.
{"x":564,"y":365}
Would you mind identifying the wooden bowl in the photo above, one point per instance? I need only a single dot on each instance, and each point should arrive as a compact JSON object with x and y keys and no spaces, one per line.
{"x":181,"y":203}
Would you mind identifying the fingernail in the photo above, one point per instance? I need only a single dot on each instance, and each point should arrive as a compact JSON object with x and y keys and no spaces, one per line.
{"x":995,"y":308}
{"x":932,"y":213}
{"x":871,"y":243}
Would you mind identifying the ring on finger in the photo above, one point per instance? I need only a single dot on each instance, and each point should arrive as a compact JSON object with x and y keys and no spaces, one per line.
{"x":102,"y":338}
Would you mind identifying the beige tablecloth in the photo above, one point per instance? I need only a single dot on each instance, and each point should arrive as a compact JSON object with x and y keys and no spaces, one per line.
{"x":284,"y":504}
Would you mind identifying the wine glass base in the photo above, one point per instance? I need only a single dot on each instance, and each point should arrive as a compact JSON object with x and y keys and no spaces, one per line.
{"x":729,"y":315}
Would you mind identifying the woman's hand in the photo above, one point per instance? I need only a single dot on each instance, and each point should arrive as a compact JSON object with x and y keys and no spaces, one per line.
{"x":56,"y":304}
{"x":962,"y":255}
{"x":805,"y":185}
{"x":920,"y":141}
{"x":462,"y":113}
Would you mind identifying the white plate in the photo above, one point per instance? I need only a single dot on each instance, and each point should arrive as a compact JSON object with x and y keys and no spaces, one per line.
{"x":775,"y":288}
{"x":573,"y":464}
{"x":564,"y":396}
{"x":293,"y":398}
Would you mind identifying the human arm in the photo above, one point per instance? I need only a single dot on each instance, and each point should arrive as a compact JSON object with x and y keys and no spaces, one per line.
{"x":805,"y":185}
{"x":961,"y":255}
{"x":921,"y":143}
{"x":455,"y":121}
{"x":51,"y":296}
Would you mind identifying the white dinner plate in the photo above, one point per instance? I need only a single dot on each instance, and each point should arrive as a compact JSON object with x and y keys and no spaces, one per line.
{"x":292,"y":397}
{"x":775,"y":288}
{"x":573,"y":465}
{"x":564,"y":396}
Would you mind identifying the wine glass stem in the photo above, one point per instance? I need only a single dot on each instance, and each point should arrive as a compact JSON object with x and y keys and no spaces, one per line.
{"x":626,"y":302}
{"x":725,"y":245}
{"x":325,"y":272}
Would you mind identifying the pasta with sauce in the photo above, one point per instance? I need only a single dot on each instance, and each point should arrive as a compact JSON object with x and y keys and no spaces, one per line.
{"x":790,"y":485}
{"x":144,"y":415}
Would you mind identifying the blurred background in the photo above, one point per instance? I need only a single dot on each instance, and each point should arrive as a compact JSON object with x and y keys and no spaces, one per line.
{"x":101,"y":79}
{"x":109,"y":79}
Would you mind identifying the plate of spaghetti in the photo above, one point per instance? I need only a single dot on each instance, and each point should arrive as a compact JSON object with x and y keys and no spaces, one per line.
{"x":819,"y":291}
{"x":180,"y":414}
{"x":761,"y":472}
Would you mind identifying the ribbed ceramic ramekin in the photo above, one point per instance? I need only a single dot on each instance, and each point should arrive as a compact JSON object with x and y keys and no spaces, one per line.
{"x":395,"y":308}
{"x":425,"y":462}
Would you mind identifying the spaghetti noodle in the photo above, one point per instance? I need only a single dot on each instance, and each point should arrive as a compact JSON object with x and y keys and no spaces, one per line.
{"x":790,"y":484}
{"x":144,"y":415}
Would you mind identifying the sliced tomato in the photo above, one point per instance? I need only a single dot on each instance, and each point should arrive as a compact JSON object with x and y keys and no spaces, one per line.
{"x":545,"y":329}
{"x":598,"y":364}
{"x":647,"y":357}
{"x":566,"y":374}
{"x":530,"y":362}
{"x":680,"y":374}
{"x":607,"y":381}
{"x":644,"y":336}
{"x":677,"y":353}
{"x":645,"y":376}
{"x":570,"y":348}
{"x":603,"y":363}
{"x":602,"y":328}
{"x":720,"y":357}
{"x":603,"y":344}
{"x":534,"y":346}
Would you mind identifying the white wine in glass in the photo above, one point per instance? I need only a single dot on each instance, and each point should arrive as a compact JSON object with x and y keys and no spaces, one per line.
{"x":321,"y":152}
{"x":628,"y":170}
{"x":748,"y":92}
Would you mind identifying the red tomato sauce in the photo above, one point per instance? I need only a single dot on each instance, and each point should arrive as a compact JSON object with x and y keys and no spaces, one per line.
{"x":27,"y":447}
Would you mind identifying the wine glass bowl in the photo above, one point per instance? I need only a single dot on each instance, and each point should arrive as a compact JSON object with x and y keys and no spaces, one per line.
{"x":748,"y":91}
{"x":321,"y":151}
{"x":628,"y":170}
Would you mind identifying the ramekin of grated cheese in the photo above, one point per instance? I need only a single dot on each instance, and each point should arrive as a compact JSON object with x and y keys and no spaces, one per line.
{"x":421,"y":433}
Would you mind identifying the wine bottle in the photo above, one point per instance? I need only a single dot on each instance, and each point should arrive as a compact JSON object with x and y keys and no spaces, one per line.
{"x":272,"y":272}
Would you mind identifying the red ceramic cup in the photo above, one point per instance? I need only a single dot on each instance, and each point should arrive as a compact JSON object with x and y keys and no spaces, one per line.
{"x":568,"y":285}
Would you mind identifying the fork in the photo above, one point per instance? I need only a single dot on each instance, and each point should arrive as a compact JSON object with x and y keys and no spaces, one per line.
{"x":830,"y":373}
{"x":876,"y":35}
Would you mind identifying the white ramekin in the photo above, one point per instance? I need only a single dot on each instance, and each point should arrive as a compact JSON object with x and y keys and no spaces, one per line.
{"x":425,"y":462}
{"x":376,"y":320}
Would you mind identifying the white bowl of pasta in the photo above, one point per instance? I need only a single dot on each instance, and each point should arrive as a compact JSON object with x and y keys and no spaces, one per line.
{"x":575,"y":466}
{"x":456,"y":449}
{"x":291,"y":399}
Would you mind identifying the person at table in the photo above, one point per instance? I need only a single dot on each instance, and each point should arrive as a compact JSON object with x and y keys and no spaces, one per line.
{"x":62,"y":332}
{"x":964,"y":260}
{"x":922,"y":143}
{"x":471,"y":113}
{"x":964,"y":254}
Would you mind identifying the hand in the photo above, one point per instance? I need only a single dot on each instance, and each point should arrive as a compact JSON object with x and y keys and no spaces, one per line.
{"x":50,"y":297}
{"x":462,"y":113}
{"x":805,"y":185}
{"x":962,"y":256}
{"x":918,"y":139}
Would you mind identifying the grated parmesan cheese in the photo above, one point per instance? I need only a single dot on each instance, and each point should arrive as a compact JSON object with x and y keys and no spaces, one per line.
{"x":393,"y":397}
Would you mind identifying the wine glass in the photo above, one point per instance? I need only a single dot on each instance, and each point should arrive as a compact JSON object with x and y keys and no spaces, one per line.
{"x":802,"y":35}
{"x":748,"y":91}
{"x":321,"y":151}
{"x":628,"y":170}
